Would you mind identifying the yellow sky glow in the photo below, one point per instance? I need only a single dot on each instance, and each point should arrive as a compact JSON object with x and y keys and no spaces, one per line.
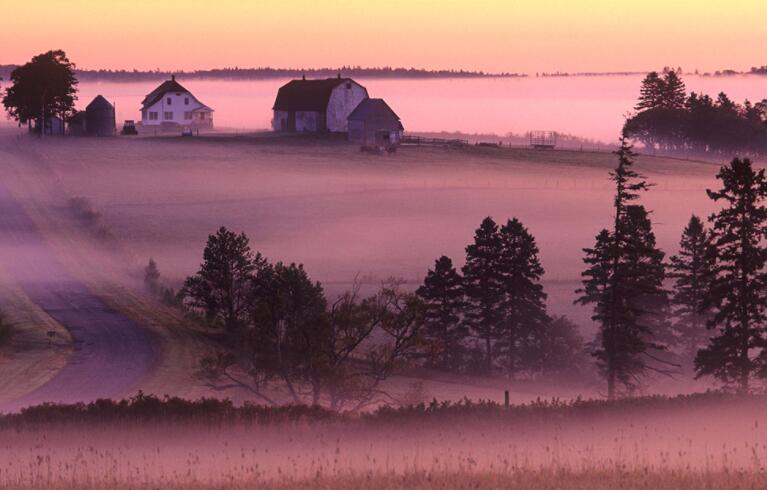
{"x":492,"y":35}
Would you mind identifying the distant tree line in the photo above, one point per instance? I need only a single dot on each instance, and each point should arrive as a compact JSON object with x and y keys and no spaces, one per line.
{"x":669,"y":119}
{"x":237,"y":73}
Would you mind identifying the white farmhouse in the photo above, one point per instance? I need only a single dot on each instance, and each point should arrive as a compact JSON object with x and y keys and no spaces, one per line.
{"x":172,"y":104}
{"x":317,"y":105}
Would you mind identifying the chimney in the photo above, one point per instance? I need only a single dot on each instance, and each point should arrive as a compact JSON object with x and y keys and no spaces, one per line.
{"x":173,"y":78}
{"x":339,"y":75}
{"x":303,"y":77}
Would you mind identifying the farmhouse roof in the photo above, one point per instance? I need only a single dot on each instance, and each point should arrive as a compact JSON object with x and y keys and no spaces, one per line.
{"x":375,"y":110}
{"x":307,"y":95}
{"x":167,"y":86}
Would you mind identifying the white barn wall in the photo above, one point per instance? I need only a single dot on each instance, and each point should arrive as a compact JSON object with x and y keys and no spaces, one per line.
{"x":342,"y":102}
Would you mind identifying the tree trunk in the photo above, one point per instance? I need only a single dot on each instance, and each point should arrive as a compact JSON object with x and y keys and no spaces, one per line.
{"x":488,"y":355}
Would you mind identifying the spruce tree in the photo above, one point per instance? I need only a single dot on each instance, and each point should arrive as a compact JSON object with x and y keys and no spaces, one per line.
{"x":622,"y":281}
{"x":444,"y":331}
{"x":524,"y":301}
{"x":630,"y":303}
{"x":673,"y":92}
{"x":152,"y":277}
{"x":693,"y":269}
{"x":483,"y":287}
{"x":651,"y":92}
{"x":736,"y":353}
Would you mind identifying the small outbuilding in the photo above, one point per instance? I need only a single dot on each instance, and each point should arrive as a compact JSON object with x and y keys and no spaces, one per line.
{"x":100,"y":118}
{"x":76,"y":124}
{"x":374,"y":124}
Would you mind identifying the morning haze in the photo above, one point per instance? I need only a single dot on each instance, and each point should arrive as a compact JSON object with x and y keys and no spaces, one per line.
{"x":404,"y":245}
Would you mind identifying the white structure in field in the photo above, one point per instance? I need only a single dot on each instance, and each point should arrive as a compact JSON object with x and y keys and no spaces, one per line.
{"x":317,"y":105}
{"x":171,"y":104}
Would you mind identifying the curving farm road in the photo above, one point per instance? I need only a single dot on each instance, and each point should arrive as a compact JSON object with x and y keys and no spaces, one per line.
{"x":111,"y":354}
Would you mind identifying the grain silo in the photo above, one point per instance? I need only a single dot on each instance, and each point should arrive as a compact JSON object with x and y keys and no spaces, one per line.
{"x":100,"y":117}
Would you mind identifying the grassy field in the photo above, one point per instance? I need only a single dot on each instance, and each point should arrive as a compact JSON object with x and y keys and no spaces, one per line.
{"x":709,"y":441}
{"x":522,"y":480}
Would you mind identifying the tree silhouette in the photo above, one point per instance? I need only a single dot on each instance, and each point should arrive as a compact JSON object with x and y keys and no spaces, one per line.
{"x":444,"y":332}
{"x":693,"y":270}
{"x":738,"y":293}
{"x":651,"y":92}
{"x":43,"y":87}
{"x":623,"y":281}
{"x":673,"y":92}
{"x":483,"y":287}
{"x":524,"y":301}
{"x":221,"y":287}
{"x":152,"y":277}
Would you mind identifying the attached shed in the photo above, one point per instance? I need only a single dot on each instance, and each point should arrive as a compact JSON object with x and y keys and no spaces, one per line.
{"x":316,"y":105}
{"x":76,"y":124}
{"x":374,"y":124}
{"x":100,"y":117}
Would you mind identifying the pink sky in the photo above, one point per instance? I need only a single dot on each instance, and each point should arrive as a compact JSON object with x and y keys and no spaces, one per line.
{"x":492,"y":35}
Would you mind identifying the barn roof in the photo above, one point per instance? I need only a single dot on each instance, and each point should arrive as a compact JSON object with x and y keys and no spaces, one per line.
{"x":167,"y":86}
{"x":375,"y":110}
{"x":307,"y":95}
{"x":99,"y":103}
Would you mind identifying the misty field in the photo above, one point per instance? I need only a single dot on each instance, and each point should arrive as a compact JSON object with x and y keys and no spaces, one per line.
{"x":106,"y":205}
{"x":700,"y":442}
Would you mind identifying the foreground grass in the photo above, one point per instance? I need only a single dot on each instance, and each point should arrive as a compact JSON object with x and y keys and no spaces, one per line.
{"x":528,"y":480}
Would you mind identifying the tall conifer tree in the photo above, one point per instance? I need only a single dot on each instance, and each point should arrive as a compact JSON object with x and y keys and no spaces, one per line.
{"x":483,"y":287}
{"x":444,"y":331}
{"x":736,"y":354}
{"x":651,"y":92}
{"x":623,"y":281}
{"x":693,"y":270}
{"x":524,"y":301}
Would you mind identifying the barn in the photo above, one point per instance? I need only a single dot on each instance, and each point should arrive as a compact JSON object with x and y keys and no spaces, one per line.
{"x":171,"y":105}
{"x":374,"y":124}
{"x":316,"y":105}
{"x":100,"y":117}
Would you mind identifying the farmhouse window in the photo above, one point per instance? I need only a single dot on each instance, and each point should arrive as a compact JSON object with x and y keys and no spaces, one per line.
{"x":187,"y":115}
{"x":152,"y":116}
{"x":168,"y":116}
{"x":186,"y":100}
{"x":169,"y":101}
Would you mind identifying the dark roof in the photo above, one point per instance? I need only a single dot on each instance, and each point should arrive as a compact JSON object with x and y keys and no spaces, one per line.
{"x":167,"y":86}
{"x":375,"y":111}
{"x":307,"y":95}
{"x":99,"y":103}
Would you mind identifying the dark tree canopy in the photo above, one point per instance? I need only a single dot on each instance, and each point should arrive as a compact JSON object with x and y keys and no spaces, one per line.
{"x":44,"y":86}
{"x":444,"y":331}
{"x":524,"y":301}
{"x":668,"y":119}
{"x":693,"y":270}
{"x":738,"y":294}
{"x":483,"y":287}
{"x":222,"y":286}
{"x":623,"y":281}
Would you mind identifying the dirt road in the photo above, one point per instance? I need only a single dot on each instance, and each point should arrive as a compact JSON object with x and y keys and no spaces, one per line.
{"x":111,"y":354}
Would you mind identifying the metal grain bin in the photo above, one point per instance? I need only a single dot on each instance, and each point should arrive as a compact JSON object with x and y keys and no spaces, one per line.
{"x":100,"y":117}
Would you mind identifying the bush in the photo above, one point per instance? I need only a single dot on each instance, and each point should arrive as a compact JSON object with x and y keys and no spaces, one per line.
{"x":82,"y":208}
